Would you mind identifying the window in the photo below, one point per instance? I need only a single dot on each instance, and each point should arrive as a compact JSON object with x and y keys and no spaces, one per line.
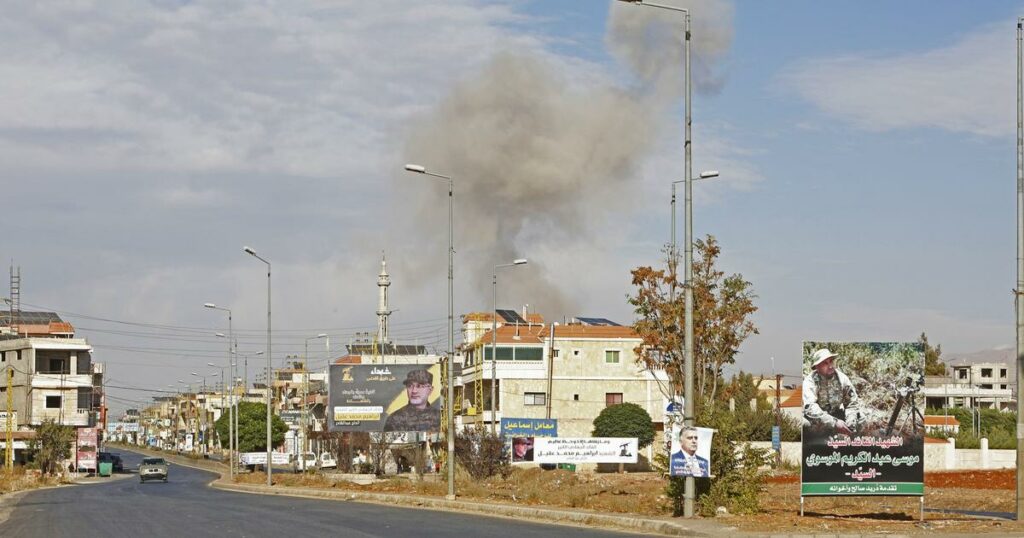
{"x":575,"y":397}
{"x":987,"y":386}
{"x":575,"y":353}
{"x":84,"y":363}
{"x":986,"y":372}
{"x":612,"y":398}
{"x":528,"y":353}
{"x":961,"y":373}
{"x":1003,"y":387}
{"x":84,"y":397}
{"x":535,"y":398}
{"x":611,"y":356}
{"x":53,"y":402}
{"x":1002,"y":372}
{"x":53,"y":362}
{"x":504,"y":353}
{"x":554,"y":353}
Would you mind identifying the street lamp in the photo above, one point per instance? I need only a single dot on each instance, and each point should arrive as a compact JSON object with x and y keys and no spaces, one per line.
{"x":494,"y":339}
{"x":305,"y":392}
{"x":231,"y":413}
{"x":688,"y":491}
{"x":1020,"y":269}
{"x":450,"y":395}
{"x":270,"y":466}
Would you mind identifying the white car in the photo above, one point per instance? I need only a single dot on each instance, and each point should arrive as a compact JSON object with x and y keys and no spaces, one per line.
{"x":327,"y":461}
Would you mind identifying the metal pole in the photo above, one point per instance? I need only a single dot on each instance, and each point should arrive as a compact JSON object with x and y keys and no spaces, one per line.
{"x":231,"y":409}
{"x":269,"y":368}
{"x":451,"y":347}
{"x":688,"y":284}
{"x":1020,"y":274}
{"x":494,"y":348}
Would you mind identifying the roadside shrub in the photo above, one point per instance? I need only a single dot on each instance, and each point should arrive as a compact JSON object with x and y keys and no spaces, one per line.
{"x":482,"y":454}
{"x":625,"y":420}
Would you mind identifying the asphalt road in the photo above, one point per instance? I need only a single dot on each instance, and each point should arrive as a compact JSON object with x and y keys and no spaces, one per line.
{"x":187,"y":506}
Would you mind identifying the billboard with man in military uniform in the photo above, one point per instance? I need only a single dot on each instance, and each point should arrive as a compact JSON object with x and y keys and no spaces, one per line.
{"x":384,"y":397}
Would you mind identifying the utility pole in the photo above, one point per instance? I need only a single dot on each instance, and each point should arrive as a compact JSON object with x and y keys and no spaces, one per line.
{"x":1020,"y":272}
{"x":778,"y":416}
{"x":9,"y":429}
{"x":551,"y":372}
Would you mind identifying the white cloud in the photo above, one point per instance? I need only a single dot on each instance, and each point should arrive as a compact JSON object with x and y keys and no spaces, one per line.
{"x":967,"y":86}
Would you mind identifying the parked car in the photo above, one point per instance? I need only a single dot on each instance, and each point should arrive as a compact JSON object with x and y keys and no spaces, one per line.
{"x":153,"y":469}
{"x":327,"y":461}
{"x":306,"y":462}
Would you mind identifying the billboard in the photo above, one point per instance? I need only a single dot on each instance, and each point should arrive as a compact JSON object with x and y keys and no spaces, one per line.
{"x":863,"y":419}
{"x":86,"y":448}
{"x":690,"y":454}
{"x":384,"y":397}
{"x":584,"y":450}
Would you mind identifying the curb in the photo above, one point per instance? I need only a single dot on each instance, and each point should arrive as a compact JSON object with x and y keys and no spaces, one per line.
{"x":540,"y":515}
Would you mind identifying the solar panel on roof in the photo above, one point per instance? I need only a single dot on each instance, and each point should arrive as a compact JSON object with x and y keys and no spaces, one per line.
{"x":29,"y":318}
{"x":605,"y":322}
{"x":511,"y":316}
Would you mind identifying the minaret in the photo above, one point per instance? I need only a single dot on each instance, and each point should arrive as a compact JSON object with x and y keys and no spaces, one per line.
{"x":383,"y":281}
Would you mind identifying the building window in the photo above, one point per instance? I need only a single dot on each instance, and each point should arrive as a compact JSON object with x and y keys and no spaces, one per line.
{"x":84,"y":397}
{"x":986,"y":372}
{"x":611,"y":356}
{"x":554,"y":353}
{"x":1002,"y":372}
{"x":575,"y":353}
{"x":612,"y":398}
{"x":986,"y":386}
{"x":504,"y":353}
{"x":575,"y":397}
{"x":1003,"y":387}
{"x":53,"y":402}
{"x":528,"y":353}
{"x":535,"y":398}
{"x":961,"y":373}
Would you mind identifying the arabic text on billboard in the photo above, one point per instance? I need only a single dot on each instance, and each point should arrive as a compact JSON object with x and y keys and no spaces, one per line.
{"x":863,"y":422}
{"x":529,"y":427}
{"x":385,"y":397}
{"x":585,"y":450}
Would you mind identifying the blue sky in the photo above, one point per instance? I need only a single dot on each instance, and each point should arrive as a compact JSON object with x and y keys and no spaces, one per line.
{"x":866,"y":152}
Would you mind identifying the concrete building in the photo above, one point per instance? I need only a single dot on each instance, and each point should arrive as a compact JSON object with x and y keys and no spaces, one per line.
{"x":983,"y":385}
{"x":54,"y":375}
{"x":588,"y":364}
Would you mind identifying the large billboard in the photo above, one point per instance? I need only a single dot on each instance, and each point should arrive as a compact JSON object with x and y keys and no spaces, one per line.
{"x":863,"y":419}
{"x":86,"y":447}
{"x":384,"y":397}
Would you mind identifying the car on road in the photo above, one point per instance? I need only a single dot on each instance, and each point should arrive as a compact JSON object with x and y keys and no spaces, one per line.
{"x":327,"y":461}
{"x":153,"y":469}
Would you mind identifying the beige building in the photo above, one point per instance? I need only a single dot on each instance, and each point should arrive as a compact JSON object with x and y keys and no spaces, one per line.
{"x":588,"y":366}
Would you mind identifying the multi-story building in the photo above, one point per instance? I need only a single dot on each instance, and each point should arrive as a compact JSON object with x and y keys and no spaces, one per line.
{"x":981,"y":385}
{"x":54,"y":375}
{"x":577,"y":369}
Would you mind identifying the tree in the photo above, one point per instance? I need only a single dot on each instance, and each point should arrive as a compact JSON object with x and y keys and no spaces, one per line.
{"x":252,"y":427}
{"x":933,"y":364}
{"x":625,"y":420}
{"x":52,"y":445}
{"x":722,"y":306}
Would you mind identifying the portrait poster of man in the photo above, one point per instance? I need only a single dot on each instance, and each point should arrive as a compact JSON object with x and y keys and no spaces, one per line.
{"x":863,"y":418}
{"x":522,"y":449}
{"x":690,"y":453}
{"x":384,"y":397}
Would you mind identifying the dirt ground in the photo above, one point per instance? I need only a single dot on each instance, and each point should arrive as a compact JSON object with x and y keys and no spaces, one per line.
{"x":642,"y":493}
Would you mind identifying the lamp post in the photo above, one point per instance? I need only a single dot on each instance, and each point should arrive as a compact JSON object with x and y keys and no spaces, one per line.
{"x":231,"y":413}
{"x":494,"y":339}
{"x":450,"y":393}
{"x":305,"y":392}
{"x":688,"y":495}
{"x":223,"y":407}
{"x":1020,"y":270}
{"x":270,"y":461}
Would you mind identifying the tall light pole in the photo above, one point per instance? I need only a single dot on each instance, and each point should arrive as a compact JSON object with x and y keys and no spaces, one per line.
{"x":494,"y":340}
{"x":231,"y":413}
{"x":450,"y":393}
{"x":1020,"y":271}
{"x":688,"y":412}
{"x":305,"y":393}
{"x":270,"y":354}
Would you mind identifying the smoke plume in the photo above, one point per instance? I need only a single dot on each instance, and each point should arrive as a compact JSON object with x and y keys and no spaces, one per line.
{"x":538,"y":161}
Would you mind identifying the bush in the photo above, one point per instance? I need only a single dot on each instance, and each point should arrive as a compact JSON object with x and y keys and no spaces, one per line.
{"x":482,"y":454}
{"x":625,"y":420}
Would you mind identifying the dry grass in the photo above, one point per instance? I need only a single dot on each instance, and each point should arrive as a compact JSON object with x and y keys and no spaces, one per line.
{"x":21,"y":479}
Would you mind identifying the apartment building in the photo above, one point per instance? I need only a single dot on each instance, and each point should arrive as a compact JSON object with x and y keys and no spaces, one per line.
{"x":982,"y":385}
{"x":577,"y":369}
{"x":55,"y":377}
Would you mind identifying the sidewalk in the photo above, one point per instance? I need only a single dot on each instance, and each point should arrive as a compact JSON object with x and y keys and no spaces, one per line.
{"x":624,"y":522}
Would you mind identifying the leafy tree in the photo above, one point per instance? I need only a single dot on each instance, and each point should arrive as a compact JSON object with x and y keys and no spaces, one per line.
{"x":722,"y":306}
{"x":52,"y":446}
{"x":625,"y":420}
{"x":482,"y":454}
{"x":933,"y":364}
{"x":252,"y":427}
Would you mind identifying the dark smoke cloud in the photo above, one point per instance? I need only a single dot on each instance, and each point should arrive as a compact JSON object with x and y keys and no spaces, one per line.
{"x":539,"y":161}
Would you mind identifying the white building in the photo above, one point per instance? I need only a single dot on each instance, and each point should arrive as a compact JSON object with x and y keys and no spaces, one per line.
{"x":982,"y":385}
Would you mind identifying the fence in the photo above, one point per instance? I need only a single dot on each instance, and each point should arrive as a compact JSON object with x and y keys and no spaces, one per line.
{"x":942,"y":456}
